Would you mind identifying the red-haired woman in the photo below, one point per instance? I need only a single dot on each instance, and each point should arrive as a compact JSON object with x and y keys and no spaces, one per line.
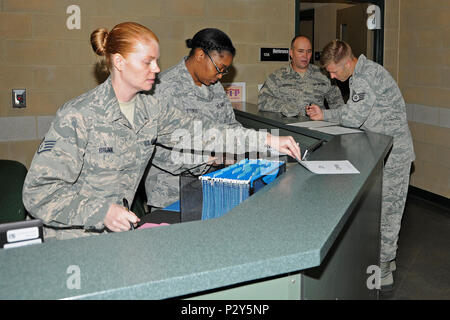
{"x":94,"y":155}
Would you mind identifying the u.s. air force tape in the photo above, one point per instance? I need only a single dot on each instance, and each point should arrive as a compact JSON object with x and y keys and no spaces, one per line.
{"x":46,"y":145}
{"x":358,"y":96}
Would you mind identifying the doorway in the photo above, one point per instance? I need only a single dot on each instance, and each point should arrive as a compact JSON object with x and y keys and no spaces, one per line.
{"x":326,"y":20}
{"x":307,"y":27}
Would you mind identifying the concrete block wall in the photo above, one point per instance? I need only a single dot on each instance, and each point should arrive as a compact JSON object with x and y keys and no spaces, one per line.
{"x":417,"y":53}
{"x":38,"y":52}
{"x":54,"y":64}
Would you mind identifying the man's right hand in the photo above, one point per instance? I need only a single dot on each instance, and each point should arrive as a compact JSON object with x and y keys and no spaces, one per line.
{"x":314,"y":112}
{"x":118,"y":219}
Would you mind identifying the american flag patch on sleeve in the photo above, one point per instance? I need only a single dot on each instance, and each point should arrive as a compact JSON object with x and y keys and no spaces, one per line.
{"x":46,"y":145}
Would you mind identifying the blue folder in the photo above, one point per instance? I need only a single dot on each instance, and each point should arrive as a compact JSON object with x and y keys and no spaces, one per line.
{"x":173,"y":207}
{"x":226,"y":188}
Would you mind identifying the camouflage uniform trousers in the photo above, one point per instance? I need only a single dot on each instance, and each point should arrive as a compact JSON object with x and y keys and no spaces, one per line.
{"x":395,"y":190}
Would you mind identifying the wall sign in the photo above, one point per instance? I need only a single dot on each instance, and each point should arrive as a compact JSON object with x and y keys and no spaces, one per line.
{"x":274,"y":54}
{"x":235,"y":91}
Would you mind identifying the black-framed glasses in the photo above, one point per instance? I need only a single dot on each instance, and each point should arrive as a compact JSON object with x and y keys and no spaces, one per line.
{"x":224,"y":72}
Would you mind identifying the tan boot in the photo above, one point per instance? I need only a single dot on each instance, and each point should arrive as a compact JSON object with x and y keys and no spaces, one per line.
{"x":387,"y":279}
{"x":393,"y":266}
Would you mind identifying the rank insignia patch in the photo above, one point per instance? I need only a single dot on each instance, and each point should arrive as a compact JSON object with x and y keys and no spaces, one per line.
{"x":46,"y":145}
{"x":358,"y":96}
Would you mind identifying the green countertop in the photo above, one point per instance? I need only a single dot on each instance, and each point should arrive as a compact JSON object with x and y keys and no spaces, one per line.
{"x":285,"y":227}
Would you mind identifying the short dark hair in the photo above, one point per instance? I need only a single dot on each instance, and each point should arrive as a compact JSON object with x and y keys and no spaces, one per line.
{"x":211,"y":39}
{"x":296,"y":37}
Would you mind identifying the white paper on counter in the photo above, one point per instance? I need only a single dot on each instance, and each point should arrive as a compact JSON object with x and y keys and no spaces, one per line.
{"x":330,"y":167}
{"x":312,"y":124}
{"x":336,"y":130}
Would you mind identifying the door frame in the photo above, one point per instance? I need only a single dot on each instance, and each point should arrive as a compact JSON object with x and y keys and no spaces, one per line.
{"x":308,"y":15}
{"x":378,"y":38}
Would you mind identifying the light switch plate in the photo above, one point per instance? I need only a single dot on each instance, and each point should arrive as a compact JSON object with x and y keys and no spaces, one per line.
{"x":19,"y":98}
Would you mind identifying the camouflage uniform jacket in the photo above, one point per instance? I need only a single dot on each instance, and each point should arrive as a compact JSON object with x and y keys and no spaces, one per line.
{"x":376,"y":104}
{"x":92,"y":157}
{"x":177,"y":86}
{"x":286,"y":91}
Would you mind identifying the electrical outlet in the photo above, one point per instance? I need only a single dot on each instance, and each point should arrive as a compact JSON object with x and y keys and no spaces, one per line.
{"x":19,"y":98}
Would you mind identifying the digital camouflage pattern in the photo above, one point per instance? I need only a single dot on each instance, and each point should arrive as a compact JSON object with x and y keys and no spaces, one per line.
{"x":376,"y":104}
{"x":395,"y":190}
{"x":286,"y":91}
{"x":92,"y":157}
{"x":207,"y":102}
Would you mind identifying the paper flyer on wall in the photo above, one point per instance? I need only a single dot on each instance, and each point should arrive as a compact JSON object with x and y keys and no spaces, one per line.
{"x":235,"y":91}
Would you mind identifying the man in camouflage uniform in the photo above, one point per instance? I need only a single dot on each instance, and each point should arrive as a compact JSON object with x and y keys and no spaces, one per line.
{"x":206,"y":102}
{"x":293,"y":87}
{"x":92,"y":158}
{"x":376,"y":104}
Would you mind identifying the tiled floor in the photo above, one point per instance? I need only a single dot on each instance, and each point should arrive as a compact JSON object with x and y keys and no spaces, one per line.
{"x":423,"y":256}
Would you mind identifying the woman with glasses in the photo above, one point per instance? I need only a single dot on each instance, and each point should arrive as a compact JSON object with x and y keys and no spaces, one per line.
{"x":193,"y":86}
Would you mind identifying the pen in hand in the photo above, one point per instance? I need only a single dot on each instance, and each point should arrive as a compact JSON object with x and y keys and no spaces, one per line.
{"x":304,"y":155}
{"x":125,"y":204}
{"x":312,"y":148}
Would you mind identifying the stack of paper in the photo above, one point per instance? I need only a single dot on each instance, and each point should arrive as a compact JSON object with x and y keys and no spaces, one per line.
{"x":313,"y":124}
{"x":325,"y":127}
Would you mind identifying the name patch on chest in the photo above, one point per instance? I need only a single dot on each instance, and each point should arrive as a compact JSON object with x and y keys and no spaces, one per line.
{"x":105,"y":150}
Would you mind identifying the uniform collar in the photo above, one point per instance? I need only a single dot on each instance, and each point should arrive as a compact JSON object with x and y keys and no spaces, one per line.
{"x":110,"y":104}
{"x":358,"y":67}
{"x":309,"y":71}
{"x":360,"y":64}
{"x":140,"y":113}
